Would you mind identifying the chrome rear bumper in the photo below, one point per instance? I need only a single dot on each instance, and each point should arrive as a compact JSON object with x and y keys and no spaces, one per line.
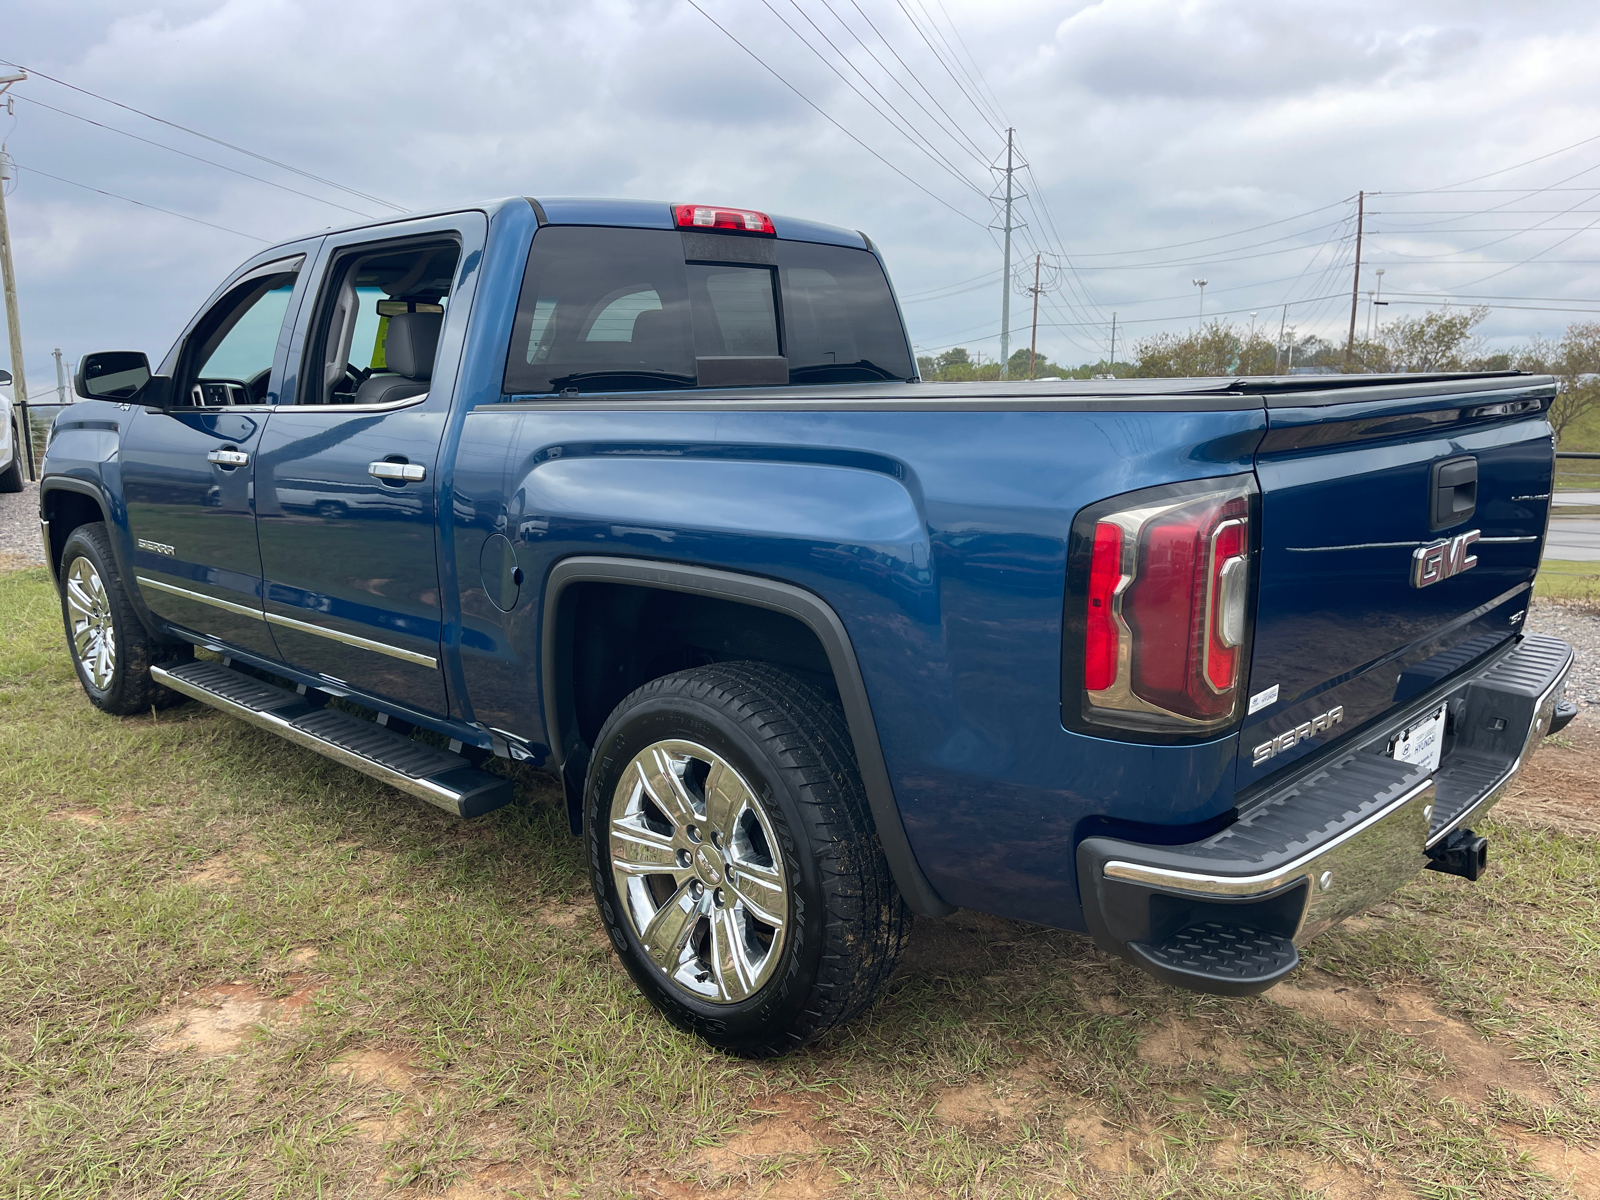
{"x":1225,"y":914}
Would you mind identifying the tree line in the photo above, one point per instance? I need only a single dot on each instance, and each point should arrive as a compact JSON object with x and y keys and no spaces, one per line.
{"x":1442,"y":340}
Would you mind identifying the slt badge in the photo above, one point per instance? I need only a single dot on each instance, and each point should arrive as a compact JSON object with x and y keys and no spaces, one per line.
{"x":1442,"y":559}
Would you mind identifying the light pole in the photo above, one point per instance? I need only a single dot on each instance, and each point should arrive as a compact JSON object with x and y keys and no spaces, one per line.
{"x":1377,"y":303}
{"x":1201,"y":284}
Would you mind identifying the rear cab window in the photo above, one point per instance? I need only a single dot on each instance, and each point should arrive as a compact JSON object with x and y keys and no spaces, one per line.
{"x":624,"y":310}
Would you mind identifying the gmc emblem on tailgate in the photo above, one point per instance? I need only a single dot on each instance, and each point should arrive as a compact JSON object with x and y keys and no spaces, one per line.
{"x":1442,"y":559}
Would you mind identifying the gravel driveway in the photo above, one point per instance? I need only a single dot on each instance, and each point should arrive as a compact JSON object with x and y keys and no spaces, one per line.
{"x":1582,"y":628}
{"x":19,"y":525}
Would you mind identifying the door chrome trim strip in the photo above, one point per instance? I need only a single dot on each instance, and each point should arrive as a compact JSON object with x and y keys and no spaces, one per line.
{"x":226,"y":605}
{"x":350,"y":639}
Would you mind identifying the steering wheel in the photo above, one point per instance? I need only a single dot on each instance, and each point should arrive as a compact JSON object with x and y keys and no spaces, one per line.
{"x":256,"y":385}
{"x":354,"y":377}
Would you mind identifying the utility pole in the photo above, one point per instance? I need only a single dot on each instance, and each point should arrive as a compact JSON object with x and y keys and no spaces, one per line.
{"x":1033,"y":343}
{"x":61,"y":377}
{"x":19,"y":382}
{"x":1355,"y":285}
{"x":1113,"y":345}
{"x":1277,"y":356}
{"x":1201,"y":284}
{"x":1372,"y":310}
{"x":1005,"y":282}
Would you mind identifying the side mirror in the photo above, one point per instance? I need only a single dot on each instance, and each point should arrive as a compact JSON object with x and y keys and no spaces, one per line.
{"x":5,"y":376}
{"x":112,"y":375}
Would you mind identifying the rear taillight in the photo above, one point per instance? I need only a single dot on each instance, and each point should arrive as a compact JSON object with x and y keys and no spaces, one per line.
{"x":1166,"y":600}
{"x":709,"y":217}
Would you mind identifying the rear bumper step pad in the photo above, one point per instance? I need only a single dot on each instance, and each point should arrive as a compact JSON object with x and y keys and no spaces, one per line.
{"x":1225,"y":914}
{"x":433,"y":774}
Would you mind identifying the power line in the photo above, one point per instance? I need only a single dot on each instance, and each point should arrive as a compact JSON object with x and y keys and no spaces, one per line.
{"x":196,"y":157}
{"x":207,"y":137}
{"x":1518,"y":307}
{"x":1505,"y":170}
{"x":909,"y":131}
{"x":954,"y":124}
{"x":141,"y":203}
{"x":957,"y":136}
{"x":829,"y":119}
{"x":940,"y":59}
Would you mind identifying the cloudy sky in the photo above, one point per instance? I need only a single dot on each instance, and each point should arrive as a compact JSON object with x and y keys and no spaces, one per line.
{"x":1167,"y":140}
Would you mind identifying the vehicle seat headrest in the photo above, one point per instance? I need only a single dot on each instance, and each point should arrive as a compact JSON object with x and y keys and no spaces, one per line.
{"x":411,"y":343}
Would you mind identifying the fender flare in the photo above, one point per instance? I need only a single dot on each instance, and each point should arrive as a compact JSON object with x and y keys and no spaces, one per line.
{"x":66,"y":483}
{"x":806,"y":607}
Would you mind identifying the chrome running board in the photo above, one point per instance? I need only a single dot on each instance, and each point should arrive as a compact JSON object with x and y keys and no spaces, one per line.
{"x":435,"y":775}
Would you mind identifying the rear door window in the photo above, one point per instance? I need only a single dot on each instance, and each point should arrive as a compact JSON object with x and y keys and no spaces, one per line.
{"x":612,"y":310}
{"x":602,"y":310}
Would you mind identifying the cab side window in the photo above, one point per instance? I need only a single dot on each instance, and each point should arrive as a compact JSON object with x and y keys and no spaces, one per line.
{"x":228,"y":359}
{"x":378,"y":324}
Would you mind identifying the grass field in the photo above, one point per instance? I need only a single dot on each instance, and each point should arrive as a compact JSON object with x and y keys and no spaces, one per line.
{"x":1561,"y":579}
{"x":230,"y":968}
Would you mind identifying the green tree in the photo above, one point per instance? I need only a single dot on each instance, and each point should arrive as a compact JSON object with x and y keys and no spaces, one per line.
{"x":1576,"y":366}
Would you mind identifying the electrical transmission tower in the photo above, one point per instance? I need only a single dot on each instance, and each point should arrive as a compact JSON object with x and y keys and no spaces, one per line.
{"x":1007,"y":195}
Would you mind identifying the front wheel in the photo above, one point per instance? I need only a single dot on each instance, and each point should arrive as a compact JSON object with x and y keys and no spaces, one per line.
{"x":11,"y":477}
{"x":734,"y":857}
{"x":110,"y":647}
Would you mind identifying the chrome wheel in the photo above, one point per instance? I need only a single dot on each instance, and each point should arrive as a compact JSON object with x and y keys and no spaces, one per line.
{"x":94,"y":636}
{"x":696,"y":864}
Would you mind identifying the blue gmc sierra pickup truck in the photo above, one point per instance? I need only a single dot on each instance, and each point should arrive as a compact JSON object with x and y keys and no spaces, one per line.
{"x":650,"y":494}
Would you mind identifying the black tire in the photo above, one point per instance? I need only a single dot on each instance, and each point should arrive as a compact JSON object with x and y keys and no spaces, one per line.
{"x":11,"y":477}
{"x":846,"y":920}
{"x":128,"y":687}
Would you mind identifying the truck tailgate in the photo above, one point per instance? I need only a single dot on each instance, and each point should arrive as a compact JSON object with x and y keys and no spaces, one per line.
{"x":1372,"y":586}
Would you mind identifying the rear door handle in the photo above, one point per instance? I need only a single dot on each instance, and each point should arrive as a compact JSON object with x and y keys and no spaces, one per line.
{"x":228,"y":458}
{"x":405,"y":472}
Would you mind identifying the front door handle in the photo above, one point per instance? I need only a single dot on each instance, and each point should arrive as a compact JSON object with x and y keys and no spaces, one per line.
{"x":228,"y":458}
{"x":404,"y":472}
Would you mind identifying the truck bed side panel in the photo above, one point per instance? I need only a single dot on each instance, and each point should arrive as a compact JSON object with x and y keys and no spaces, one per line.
{"x":940,"y":541}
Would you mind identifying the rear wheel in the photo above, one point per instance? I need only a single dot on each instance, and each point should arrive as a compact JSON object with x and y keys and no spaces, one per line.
{"x":734,"y":857}
{"x":110,"y":647}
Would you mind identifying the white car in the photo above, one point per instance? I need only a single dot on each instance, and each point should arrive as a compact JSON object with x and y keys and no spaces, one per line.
{"x":11,"y":474}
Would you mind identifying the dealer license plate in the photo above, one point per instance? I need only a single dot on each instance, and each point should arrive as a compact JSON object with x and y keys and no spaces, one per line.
{"x":1422,"y":742}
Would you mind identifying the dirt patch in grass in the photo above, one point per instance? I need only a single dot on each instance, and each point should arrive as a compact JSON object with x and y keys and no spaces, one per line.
{"x":1559,"y":789}
{"x":216,"y":871}
{"x":505,"y":1181}
{"x":1178,"y":1042}
{"x":391,"y":1068}
{"x":783,"y":1154}
{"x":1477,"y":1065}
{"x":1577,"y":1168}
{"x":217,"y":1019}
{"x":1018,"y":1092}
{"x":1105,"y":1146}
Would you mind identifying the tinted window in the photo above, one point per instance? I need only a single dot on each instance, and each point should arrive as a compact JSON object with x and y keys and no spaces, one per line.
{"x":734,"y":310}
{"x":602,"y":310}
{"x":607,"y":310}
{"x":840,"y":320}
